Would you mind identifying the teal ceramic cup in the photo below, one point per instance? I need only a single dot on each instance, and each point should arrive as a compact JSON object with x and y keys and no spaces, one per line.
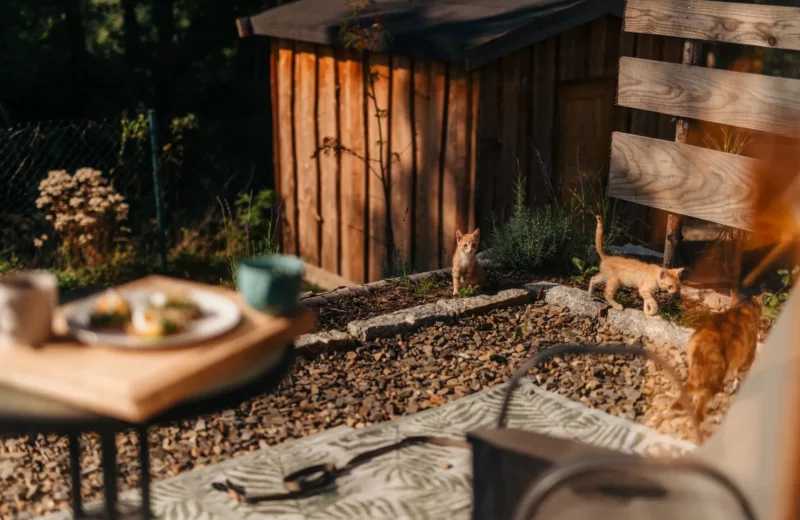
{"x":271,"y":283}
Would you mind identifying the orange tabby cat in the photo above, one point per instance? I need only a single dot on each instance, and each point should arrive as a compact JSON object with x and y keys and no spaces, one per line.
{"x":467,"y":272}
{"x":722,"y":346}
{"x":629,"y":272}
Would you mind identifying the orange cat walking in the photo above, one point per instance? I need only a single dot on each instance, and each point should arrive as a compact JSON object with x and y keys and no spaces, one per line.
{"x":467,"y":272}
{"x":616,"y":271}
{"x":722,"y":346}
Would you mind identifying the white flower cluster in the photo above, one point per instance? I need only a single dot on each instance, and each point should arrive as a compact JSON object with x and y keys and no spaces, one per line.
{"x":82,"y":207}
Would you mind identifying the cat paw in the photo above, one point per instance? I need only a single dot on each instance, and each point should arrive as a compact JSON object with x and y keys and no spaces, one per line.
{"x":616,"y":306}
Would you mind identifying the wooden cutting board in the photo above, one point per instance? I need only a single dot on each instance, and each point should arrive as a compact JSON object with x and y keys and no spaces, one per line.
{"x":134,"y":385}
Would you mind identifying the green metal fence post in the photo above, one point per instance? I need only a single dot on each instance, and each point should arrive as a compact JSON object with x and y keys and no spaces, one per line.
{"x":154,"y":149}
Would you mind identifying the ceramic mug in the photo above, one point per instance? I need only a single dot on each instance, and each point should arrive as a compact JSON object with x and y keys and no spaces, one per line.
{"x":27,"y":303}
{"x":271,"y":283}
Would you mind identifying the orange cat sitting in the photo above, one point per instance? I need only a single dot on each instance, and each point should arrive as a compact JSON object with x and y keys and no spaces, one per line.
{"x":616,"y":271}
{"x":467,"y":272}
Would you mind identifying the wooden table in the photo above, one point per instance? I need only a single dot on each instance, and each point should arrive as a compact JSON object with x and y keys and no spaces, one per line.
{"x":23,"y":413}
{"x":68,"y":388}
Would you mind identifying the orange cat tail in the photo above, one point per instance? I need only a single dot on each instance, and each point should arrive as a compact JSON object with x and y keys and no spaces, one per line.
{"x":598,"y":237}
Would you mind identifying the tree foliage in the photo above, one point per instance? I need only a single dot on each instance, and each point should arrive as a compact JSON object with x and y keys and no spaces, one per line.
{"x":98,"y":58}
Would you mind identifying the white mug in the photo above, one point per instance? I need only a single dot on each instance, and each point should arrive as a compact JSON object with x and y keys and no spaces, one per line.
{"x":27,"y":303}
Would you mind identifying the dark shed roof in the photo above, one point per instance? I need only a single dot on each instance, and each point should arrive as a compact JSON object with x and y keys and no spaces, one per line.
{"x":470,"y":32}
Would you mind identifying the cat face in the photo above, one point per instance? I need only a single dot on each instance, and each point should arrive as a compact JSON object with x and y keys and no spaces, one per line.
{"x":468,"y":243}
{"x":670,"y":280}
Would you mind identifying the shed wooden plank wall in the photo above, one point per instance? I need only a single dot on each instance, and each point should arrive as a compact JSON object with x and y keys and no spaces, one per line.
{"x":451,"y":140}
{"x":397,"y":176}
{"x":549,"y":110}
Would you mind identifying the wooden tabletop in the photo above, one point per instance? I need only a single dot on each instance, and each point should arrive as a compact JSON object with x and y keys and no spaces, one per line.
{"x":134,"y":385}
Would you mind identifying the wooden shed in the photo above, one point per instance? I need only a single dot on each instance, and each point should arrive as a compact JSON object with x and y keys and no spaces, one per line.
{"x":385,"y":153}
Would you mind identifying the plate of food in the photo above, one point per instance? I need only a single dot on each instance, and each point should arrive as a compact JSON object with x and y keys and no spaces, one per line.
{"x":152,"y":319}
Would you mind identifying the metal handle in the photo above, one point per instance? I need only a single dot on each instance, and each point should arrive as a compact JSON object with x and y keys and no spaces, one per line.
{"x":539,"y":491}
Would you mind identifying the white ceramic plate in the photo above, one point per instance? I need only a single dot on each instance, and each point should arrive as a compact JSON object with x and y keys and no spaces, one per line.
{"x":220,"y":315}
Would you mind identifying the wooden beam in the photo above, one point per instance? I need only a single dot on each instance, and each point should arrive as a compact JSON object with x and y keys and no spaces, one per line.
{"x":244,"y":27}
{"x":305,"y":92}
{"x":746,"y":24}
{"x":401,"y":157}
{"x":286,"y":150}
{"x":762,"y":103}
{"x":674,"y":234}
{"x":683,"y":179}
{"x":353,"y":172}
{"x":327,"y":128}
{"x":376,"y":97}
{"x":324,"y":279}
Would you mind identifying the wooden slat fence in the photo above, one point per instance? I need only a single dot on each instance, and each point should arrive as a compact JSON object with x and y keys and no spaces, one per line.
{"x":682,"y":178}
{"x":375,"y":157}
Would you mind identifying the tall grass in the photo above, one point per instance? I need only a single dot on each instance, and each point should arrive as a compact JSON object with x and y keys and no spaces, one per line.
{"x":240,"y":240}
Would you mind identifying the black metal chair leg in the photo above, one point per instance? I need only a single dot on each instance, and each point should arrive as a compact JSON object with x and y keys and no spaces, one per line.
{"x":75,"y":475}
{"x":109,"y":448}
{"x":144,"y":463}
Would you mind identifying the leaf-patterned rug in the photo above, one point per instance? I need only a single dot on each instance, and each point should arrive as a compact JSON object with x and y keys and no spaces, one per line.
{"x":418,"y":482}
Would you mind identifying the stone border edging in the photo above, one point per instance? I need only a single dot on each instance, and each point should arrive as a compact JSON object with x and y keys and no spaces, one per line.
{"x":578,"y":301}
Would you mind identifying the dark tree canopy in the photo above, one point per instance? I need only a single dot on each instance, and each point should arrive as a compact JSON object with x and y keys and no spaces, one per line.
{"x":98,"y":58}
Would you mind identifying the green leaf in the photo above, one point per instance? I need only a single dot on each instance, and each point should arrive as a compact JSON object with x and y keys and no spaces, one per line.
{"x":578,"y":263}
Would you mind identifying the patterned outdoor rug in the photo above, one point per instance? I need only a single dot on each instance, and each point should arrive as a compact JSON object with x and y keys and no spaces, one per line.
{"x":418,"y":482}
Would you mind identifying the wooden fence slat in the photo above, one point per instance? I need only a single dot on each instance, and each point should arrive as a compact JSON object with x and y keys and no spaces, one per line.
{"x":379,"y":182}
{"x":598,"y":30}
{"x":275,"y":113}
{"x":308,"y":219}
{"x":429,"y":88}
{"x":488,"y":153}
{"x":353,"y":169}
{"x":764,"y":103}
{"x":455,"y":184}
{"x":747,"y":24}
{"x":525,"y":121}
{"x":402,"y":157}
{"x":328,"y":127}
{"x":504,"y":178}
{"x":543,"y":107}
{"x":683,"y":179}
{"x":474,"y":98}
{"x":285,"y":129}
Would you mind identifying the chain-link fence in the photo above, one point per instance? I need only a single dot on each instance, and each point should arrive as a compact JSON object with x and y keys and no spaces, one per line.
{"x":200,"y":160}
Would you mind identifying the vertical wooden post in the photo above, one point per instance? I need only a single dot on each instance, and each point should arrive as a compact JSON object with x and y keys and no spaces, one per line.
{"x":691,"y":52}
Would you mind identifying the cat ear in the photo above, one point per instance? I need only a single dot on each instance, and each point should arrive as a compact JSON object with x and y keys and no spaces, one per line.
{"x":459,"y":234}
{"x":662,"y":274}
{"x":477,"y":233}
{"x":676,"y":272}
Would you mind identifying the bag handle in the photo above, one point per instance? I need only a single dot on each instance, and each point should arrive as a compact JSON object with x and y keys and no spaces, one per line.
{"x":586,"y":464}
{"x":614,"y":348}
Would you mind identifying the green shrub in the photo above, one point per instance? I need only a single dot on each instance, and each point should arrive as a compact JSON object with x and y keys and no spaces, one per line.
{"x":532,"y":239}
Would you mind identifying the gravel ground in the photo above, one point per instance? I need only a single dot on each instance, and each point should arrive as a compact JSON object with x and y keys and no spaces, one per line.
{"x":372,"y":383}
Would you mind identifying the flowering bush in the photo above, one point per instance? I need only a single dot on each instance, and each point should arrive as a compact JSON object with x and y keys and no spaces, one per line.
{"x":86,"y":213}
